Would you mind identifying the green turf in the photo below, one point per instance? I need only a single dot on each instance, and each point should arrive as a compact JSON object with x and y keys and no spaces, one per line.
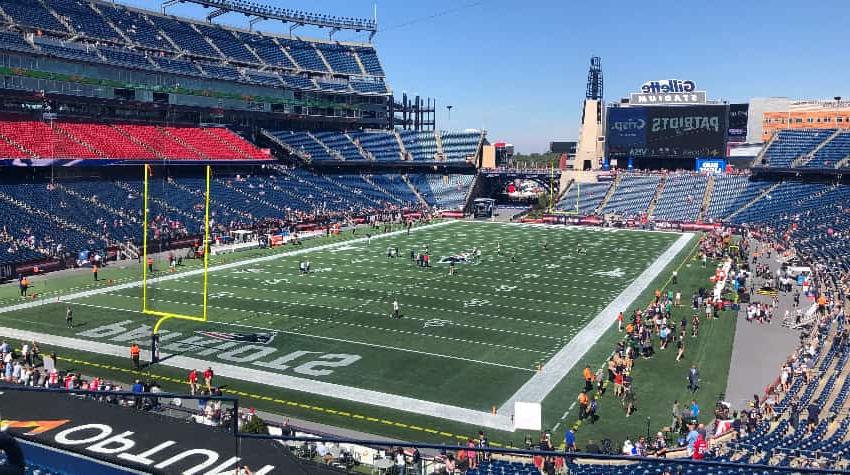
{"x":469,"y":340}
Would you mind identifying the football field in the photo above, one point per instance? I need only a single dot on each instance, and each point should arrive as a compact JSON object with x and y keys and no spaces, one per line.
{"x":507,"y":327}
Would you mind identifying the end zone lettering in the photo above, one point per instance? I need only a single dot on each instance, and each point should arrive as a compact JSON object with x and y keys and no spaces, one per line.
{"x":308,"y":363}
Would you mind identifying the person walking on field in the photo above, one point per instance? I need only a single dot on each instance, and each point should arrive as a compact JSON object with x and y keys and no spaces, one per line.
{"x":135,"y":352}
{"x":396,"y":311}
{"x":69,"y":317}
{"x":94,"y":271}
{"x":693,"y":379}
{"x":208,"y":377}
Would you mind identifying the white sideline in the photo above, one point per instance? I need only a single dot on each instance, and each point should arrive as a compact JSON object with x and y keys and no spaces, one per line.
{"x":231,"y":265}
{"x":541,"y":384}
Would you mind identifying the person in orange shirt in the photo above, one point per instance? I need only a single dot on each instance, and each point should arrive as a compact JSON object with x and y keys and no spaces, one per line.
{"x":94,"y":271}
{"x":630,"y":328}
{"x":620,"y":322}
{"x":135,"y":352}
{"x":588,"y":379}
{"x":822,"y":304}
{"x":657,"y":295}
{"x":150,"y":264}
{"x":583,"y":402}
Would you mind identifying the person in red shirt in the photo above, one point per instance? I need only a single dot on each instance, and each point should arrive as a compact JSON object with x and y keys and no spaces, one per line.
{"x":620,"y":322}
{"x":193,"y":381}
{"x":700,"y":448}
{"x":208,"y":376}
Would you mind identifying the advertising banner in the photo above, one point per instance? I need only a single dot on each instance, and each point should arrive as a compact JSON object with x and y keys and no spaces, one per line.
{"x":626,"y":131}
{"x":687,"y":132}
{"x":715,"y":166}
{"x":738,"y":117}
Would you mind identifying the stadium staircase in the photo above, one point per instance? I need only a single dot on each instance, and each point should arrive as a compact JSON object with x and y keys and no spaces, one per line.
{"x":368,"y":179}
{"x":706,"y":198}
{"x":359,"y":62}
{"x":251,"y":196}
{"x":760,"y":156}
{"x":803,"y":160}
{"x":472,"y":193}
{"x":609,"y":194}
{"x":415,"y":191}
{"x":366,"y":154}
{"x":94,"y":201}
{"x":73,"y":138}
{"x":321,"y":56}
{"x":440,"y":152}
{"x":333,"y":153}
{"x":285,"y":146}
{"x":153,"y":199}
{"x":94,"y":6}
{"x":653,"y":203}
{"x":398,"y":139}
{"x":184,"y":142}
{"x":564,"y":188}
{"x":754,"y":200}
{"x":209,"y":41}
{"x":61,"y":20}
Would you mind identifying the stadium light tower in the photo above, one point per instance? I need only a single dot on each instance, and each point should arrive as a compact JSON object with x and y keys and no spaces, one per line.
{"x":594,"y":79}
{"x":449,"y":107}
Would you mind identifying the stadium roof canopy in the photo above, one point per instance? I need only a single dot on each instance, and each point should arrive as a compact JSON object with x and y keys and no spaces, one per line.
{"x":261,"y":12}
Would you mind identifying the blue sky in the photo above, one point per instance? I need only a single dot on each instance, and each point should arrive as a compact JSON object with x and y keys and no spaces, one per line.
{"x":518,"y":69}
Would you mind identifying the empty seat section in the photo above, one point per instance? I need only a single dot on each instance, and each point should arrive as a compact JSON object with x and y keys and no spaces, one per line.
{"x":370,"y":61}
{"x":31,"y":13}
{"x":43,"y":141}
{"x":681,"y":198}
{"x":108,"y":140}
{"x":184,"y":36}
{"x":235,"y":142}
{"x":382,"y":145}
{"x":583,"y":198}
{"x":155,"y":139}
{"x":340,"y":143}
{"x":228,"y":43}
{"x":340,"y":58}
{"x":136,"y":26}
{"x":632,"y":196}
{"x":85,"y":20}
{"x":833,"y":152}
{"x":788,"y":145}
{"x":458,"y":146}
{"x":269,"y":51}
{"x":304,"y":54}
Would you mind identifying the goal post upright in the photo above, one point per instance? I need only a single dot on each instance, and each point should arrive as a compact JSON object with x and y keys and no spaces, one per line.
{"x":163,"y":316}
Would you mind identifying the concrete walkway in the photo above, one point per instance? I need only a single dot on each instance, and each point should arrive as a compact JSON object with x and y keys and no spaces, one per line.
{"x":759,"y":349}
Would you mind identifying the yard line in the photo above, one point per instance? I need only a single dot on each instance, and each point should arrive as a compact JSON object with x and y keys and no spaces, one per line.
{"x":408,"y":294}
{"x":464,"y":278}
{"x":338,"y":322}
{"x":489,"y":316}
{"x":437,"y":273}
{"x":541,"y":384}
{"x":485,"y":264}
{"x":231,"y":265}
{"x":365,"y":302}
{"x":341,"y":340}
{"x":322,"y":388}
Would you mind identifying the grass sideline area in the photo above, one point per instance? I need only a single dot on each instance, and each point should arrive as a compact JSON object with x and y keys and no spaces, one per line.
{"x":435,"y":296}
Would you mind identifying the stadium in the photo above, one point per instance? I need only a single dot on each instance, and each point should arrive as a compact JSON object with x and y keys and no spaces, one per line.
{"x":227,"y":250}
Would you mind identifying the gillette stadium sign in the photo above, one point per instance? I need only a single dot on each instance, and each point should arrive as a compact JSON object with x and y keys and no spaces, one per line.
{"x":668,"y":91}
